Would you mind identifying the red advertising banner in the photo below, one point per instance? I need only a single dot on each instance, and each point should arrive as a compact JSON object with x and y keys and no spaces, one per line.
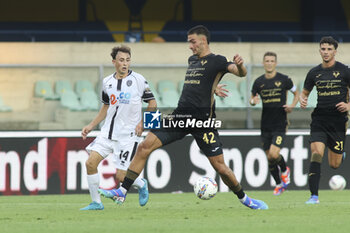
{"x":54,"y":163}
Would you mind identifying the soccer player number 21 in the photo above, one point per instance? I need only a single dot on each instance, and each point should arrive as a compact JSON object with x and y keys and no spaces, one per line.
{"x":206,"y":138}
{"x":339,"y":145}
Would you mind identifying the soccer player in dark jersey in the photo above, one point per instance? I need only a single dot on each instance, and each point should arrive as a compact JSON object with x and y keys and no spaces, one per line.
{"x":204,"y":72}
{"x":272,"y":88}
{"x":329,"y":118}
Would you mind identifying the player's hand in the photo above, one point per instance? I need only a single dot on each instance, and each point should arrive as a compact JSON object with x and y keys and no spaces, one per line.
{"x":342,"y":107}
{"x":303,"y":101}
{"x":85,"y":131}
{"x":221,"y":91}
{"x":255,"y":100}
{"x":288,"y":108}
{"x":139,"y":129}
{"x":238,"y":60}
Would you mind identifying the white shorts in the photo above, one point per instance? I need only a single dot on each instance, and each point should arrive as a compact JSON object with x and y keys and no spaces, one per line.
{"x":122,"y":151}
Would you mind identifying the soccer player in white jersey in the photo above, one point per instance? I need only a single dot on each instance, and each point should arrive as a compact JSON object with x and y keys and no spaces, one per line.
{"x":122,"y":95}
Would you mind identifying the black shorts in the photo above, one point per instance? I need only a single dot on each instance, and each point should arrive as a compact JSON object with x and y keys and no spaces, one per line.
{"x":273,"y":136}
{"x":207,"y":139}
{"x":329,"y":130}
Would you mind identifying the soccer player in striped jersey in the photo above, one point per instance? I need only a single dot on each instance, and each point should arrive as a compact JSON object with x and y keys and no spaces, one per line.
{"x":122,"y":96}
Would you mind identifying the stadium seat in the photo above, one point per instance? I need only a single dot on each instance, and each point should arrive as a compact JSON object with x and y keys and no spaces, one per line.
{"x":234,"y":99}
{"x":219,"y":103}
{"x":170,"y":98}
{"x":83,"y":86}
{"x":3,"y":107}
{"x":230,"y":85}
{"x":243,"y":91}
{"x":62,"y":86}
{"x":165,"y":85}
{"x":44,"y":90}
{"x":70,"y":100}
{"x":89,"y":100}
{"x":290,"y":98}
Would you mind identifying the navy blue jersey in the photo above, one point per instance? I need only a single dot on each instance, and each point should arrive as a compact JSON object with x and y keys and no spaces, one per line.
{"x":202,"y":76}
{"x":273,"y":94}
{"x":332,"y":85}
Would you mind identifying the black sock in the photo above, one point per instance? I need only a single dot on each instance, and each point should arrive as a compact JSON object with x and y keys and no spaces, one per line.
{"x":281,"y":163}
{"x":127,"y":183}
{"x":129,"y":179}
{"x":274,"y":171}
{"x":314,"y":177}
{"x":238,"y":190}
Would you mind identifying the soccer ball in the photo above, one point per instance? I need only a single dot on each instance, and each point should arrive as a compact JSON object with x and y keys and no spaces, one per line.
{"x":337,"y":182}
{"x":205,"y":188}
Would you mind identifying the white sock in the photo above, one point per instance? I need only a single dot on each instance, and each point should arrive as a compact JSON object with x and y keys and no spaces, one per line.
{"x":94,"y":182}
{"x":138,"y":183}
{"x":124,"y":191}
{"x":244,"y":198}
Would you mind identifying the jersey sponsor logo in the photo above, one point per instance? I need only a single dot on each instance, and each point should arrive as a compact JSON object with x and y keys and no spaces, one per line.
{"x":278,"y":83}
{"x":336,"y":74}
{"x":151,"y":120}
{"x":122,"y":98}
{"x":319,"y":75}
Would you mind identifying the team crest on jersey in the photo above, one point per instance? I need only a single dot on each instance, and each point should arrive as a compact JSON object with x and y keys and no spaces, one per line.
{"x":129,"y":83}
{"x":203,"y":62}
{"x":278,"y":83}
{"x":109,"y":86}
{"x":336,"y":73}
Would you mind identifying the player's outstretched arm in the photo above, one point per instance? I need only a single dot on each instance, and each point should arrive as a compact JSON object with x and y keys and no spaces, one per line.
{"x":238,"y":67}
{"x":303,"y":98}
{"x":97,"y":120}
{"x":221,"y":91}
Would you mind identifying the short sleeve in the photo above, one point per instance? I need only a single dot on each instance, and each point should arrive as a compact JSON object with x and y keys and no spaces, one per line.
{"x":104,"y":95}
{"x":309,"y":82}
{"x":222,"y":63}
{"x":147,"y":94}
{"x":347,"y":75}
{"x":255,"y":88}
{"x":289,"y":83}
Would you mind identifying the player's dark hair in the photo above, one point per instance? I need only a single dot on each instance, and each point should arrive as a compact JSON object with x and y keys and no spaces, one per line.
{"x":200,"y":30}
{"x":122,"y":48}
{"x":329,"y":40}
{"x":273,"y":54}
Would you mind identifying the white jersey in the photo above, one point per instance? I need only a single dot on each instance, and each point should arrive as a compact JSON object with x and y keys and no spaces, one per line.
{"x":124,"y":97}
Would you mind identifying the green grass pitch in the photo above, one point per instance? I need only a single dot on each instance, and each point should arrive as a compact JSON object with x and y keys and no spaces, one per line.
{"x":183,"y":213}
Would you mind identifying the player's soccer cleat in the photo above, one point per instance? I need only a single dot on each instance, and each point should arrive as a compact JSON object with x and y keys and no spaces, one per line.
{"x":286,"y":178}
{"x":108,"y":193}
{"x":143,"y":193}
{"x":119,"y":198}
{"x":94,"y":206}
{"x":313,"y":200}
{"x":255,"y":204}
{"x":279,"y":189}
